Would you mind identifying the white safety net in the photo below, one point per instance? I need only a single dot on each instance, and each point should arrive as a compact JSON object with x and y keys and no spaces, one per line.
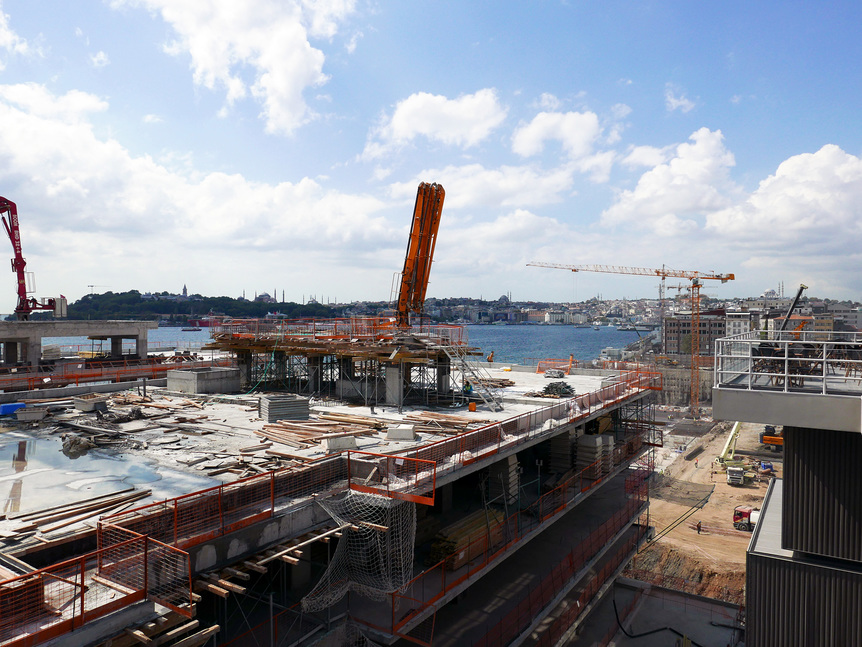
{"x":375,"y":557}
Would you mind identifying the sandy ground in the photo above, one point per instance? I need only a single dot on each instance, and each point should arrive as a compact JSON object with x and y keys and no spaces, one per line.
{"x":716,"y":557}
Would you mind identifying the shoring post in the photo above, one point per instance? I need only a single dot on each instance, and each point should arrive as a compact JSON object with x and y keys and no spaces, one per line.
{"x":146,"y":541}
{"x":272,"y":493}
{"x":221,"y":508}
{"x":83,"y":590}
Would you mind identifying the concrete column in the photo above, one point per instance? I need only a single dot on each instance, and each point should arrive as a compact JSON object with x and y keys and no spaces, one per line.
{"x":279,"y":366}
{"x":10,"y":352}
{"x":394,"y":385}
{"x":34,"y":351}
{"x":141,"y":350}
{"x":116,"y":346}
{"x":243,"y":361}
{"x":315,"y":374}
{"x":444,"y":377}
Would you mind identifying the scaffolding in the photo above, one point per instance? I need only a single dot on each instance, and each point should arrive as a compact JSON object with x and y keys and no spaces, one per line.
{"x":364,"y":360}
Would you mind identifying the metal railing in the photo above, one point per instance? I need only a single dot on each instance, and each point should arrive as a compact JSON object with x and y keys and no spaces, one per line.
{"x":82,"y":372}
{"x":814,"y":362}
{"x":127,"y":568}
{"x":499,"y":539}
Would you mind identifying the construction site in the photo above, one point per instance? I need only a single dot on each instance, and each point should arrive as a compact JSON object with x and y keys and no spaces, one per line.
{"x":363,"y":481}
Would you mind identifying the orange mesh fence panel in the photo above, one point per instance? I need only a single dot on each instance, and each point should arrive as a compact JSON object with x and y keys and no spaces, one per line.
{"x":198,"y":517}
{"x":169,"y":577}
{"x":247,"y":501}
{"x":54,"y":600}
{"x":155,"y":520}
{"x":398,"y":477}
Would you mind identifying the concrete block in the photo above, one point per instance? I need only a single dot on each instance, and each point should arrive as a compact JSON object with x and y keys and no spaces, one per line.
{"x":339,"y":444}
{"x":91,"y":402}
{"x":401,"y":432}
{"x":204,"y":380}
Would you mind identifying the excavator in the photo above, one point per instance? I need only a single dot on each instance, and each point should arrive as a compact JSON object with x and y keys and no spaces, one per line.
{"x":26,"y":304}
{"x":420,"y":252}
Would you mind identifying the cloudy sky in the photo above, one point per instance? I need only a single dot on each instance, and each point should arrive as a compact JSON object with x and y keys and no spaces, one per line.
{"x":277,"y":144}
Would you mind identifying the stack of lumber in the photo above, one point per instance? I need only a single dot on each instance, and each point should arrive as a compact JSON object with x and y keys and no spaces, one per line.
{"x":301,"y":435}
{"x":463,"y":541}
{"x":441,"y":423}
{"x":54,"y":518}
{"x":496,"y":382}
{"x":596,"y":453}
{"x":283,"y":407}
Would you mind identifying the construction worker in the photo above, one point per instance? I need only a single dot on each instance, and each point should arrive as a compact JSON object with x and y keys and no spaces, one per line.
{"x":695,"y":463}
{"x":698,"y":527}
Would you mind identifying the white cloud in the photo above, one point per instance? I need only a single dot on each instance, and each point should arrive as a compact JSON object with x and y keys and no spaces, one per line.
{"x":548,"y":101}
{"x":811,"y":206}
{"x":464,"y":121}
{"x":152,"y":119}
{"x":507,"y":186}
{"x":71,"y":186}
{"x":676,"y":100}
{"x":695,"y":181}
{"x":99,"y":60}
{"x":256,"y":47}
{"x":9,"y":40}
{"x":646,"y":156}
{"x":35,"y":99}
{"x":576,"y":132}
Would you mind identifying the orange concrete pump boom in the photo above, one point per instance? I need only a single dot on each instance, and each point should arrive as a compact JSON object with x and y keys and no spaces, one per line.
{"x":420,"y":252}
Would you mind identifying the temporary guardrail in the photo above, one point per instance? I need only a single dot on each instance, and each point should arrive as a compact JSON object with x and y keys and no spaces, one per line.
{"x":499,"y":538}
{"x":197,"y":517}
{"x":516,"y":621}
{"x":815,"y":362}
{"x":55,"y":600}
{"x":357,"y":328}
{"x":77,"y":373}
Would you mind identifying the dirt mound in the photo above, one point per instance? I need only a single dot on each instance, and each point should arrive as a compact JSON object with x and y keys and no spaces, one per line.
{"x":665,"y":566}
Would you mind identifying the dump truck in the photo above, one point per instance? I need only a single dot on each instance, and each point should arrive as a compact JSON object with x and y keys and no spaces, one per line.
{"x":745,"y":517}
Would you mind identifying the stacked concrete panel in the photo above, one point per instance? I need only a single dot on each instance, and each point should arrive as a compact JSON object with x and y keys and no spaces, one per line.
{"x":595,"y":454}
{"x":283,"y":407}
{"x":560,"y":453}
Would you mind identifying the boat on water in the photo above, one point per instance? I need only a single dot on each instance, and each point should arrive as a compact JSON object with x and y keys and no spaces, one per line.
{"x":190,"y":329}
{"x":595,"y":327}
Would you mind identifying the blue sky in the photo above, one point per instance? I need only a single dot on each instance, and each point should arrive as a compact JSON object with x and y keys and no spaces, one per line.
{"x":277,"y":145}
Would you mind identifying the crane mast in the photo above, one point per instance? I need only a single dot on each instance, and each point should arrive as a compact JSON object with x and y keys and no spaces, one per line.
{"x":420,"y":252}
{"x":692,"y":275}
{"x":25,"y":304}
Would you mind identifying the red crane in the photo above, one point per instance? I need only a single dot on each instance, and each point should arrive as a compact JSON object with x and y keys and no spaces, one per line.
{"x":26,"y":304}
{"x":695,"y":277}
{"x":420,"y":252}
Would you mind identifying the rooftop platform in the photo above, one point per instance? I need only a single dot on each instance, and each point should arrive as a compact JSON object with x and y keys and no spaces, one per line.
{"x":802,"y":379}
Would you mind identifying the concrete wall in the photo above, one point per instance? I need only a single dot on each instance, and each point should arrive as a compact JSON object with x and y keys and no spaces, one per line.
{"x":204,"y":380}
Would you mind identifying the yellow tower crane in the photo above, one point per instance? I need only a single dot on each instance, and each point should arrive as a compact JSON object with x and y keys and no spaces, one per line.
{"x":693,"y":276}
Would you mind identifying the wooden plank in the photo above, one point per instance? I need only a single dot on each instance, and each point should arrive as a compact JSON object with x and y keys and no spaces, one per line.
{"x":233,"y":572}
{"x":257,"y":568}
{"x":200,"y":585}
{"x":198,"y":638}
{"x":140,"y":636}
{"x":225,"y":584}
{"x":177,"y":632}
